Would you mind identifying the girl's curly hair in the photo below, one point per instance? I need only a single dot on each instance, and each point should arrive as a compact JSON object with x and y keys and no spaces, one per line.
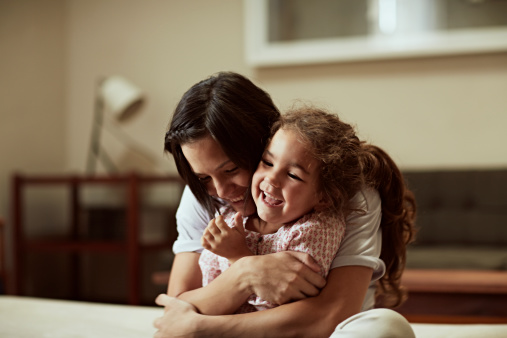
{"x":349,"y":165}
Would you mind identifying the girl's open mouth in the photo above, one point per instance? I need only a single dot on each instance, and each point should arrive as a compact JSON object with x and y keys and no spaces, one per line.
{"x":270,"y":200}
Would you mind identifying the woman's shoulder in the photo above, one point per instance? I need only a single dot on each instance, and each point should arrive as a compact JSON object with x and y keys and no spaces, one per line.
{"x":367,"y":208}
{"x":366,"y":199}
{"x":191,"y":210}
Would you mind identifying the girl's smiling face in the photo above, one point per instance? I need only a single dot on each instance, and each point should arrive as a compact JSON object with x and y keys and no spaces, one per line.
{"x":221,"y":177}
{"x":285,"y":185}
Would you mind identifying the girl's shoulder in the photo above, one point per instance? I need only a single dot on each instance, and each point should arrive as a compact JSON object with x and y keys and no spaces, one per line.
{"x":319,"y":220}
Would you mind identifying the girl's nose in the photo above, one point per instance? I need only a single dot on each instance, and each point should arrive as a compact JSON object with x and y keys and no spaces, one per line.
{"x":273,"y":180}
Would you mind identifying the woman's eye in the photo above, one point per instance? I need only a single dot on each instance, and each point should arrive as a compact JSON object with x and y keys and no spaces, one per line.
{"x":231,"y":170}
{"x":204,"y":179}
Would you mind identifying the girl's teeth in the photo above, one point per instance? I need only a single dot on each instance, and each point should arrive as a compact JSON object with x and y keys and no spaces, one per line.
{"x":271,"y":200}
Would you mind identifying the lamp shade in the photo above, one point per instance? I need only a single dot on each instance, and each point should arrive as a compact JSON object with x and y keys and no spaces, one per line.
{"x":122,"y":98}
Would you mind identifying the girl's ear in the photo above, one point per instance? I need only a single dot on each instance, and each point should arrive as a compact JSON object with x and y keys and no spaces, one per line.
{"x":324,"y":202}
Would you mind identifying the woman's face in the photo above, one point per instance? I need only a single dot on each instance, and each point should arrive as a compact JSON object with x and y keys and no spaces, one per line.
{"x":221,"y":177}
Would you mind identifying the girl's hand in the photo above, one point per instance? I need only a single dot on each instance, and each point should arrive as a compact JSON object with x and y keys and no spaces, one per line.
{"x":225,"y":241}
{"x":179,"y":319}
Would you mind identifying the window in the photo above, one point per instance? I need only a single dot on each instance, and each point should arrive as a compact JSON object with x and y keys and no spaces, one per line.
{"x":283,"y":32}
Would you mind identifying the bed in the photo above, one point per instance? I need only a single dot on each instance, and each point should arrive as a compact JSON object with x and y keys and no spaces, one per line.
{"x":37,"y":317}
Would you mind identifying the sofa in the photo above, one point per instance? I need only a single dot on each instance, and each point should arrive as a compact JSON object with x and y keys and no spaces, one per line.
{"x":457,"y":265}
{"x":462,"y":219}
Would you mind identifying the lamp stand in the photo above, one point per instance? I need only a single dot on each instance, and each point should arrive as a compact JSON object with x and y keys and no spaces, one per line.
{"x":95,"y":151}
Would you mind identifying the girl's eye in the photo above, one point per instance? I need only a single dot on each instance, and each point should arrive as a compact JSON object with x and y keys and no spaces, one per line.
{"x":294,"y":177}
{"x":267,"y":163}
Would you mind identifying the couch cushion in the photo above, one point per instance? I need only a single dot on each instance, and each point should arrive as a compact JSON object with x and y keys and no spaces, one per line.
{"x":457,"y":257}
{"x":460,"y":207}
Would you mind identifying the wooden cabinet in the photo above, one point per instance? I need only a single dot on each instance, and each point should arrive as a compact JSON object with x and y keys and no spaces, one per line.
{"x":77,"y":238}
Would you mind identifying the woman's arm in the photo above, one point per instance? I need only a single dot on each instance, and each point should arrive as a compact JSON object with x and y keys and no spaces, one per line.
{"x":185,"y":274}
{"x":317,"y":316}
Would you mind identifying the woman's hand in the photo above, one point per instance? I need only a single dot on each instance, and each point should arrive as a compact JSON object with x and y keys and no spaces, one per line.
{"x":281,"y":277}
{"x":225,"y":241}
{"x":179,"y":319}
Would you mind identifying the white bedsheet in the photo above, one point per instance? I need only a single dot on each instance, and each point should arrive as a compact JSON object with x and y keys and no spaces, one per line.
{"x":34,"y":317}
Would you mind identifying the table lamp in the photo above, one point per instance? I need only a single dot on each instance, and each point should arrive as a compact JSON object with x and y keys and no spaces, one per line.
{"x":122,"y":100}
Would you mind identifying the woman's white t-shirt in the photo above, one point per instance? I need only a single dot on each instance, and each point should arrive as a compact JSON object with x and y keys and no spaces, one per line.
{"x":360,"y":247}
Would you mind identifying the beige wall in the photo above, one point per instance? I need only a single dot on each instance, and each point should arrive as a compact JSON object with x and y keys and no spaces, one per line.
{"x":428,"y":113}
{"x":32,"y":92}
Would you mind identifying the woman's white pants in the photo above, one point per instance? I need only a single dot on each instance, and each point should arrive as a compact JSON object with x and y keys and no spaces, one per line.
{"x":379,"y":323}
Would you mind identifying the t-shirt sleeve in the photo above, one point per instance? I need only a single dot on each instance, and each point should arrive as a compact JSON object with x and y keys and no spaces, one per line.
{"x":363,"y":238}
{"x":191,"y":220}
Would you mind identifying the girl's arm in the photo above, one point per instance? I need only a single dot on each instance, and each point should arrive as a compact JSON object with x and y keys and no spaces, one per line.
{"x":278,"y":278}
{"x":317,"y":316}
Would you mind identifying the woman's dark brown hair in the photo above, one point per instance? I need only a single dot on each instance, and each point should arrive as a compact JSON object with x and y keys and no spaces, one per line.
{"x":349,"y":165}
{"x":234,"y":112}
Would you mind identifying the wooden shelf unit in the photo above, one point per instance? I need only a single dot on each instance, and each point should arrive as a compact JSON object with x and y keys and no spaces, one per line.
{"x":131,"y":245}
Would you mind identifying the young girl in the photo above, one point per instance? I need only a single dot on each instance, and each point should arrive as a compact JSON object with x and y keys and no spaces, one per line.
{"x":301,"y":188}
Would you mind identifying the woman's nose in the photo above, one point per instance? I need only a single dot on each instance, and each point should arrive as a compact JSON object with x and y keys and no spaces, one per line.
{"x":210,"y":188}
{"x":222,"y":188}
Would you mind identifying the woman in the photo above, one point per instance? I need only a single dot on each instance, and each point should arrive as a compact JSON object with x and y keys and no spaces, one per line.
{"x":217,"y":136}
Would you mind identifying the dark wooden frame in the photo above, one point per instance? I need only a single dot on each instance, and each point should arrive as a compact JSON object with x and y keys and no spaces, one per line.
{"x":131,"y":246}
